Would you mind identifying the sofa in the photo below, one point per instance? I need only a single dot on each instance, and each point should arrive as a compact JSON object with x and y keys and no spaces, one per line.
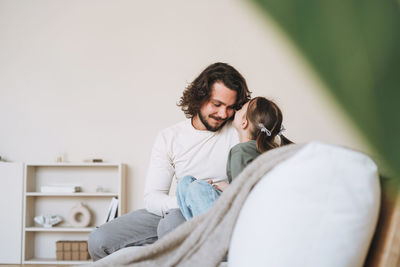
{"x":318,"y":207}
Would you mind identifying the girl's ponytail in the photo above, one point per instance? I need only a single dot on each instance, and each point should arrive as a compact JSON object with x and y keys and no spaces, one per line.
{"x":285,"y":140}
{"x":264,"y":141}
{"x":265,"y":119}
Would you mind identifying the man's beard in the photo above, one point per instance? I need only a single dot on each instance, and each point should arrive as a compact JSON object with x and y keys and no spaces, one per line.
{"x":208,"y":126}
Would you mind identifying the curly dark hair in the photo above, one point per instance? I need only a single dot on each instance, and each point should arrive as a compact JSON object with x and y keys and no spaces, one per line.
{"x":199,"y":91}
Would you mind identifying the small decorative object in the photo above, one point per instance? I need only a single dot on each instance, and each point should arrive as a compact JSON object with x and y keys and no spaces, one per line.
{"x":79,"y":216}
{"x":100,"y":189}
{"x":93,"y":160}
{"x":60,"y":158}
{"x":48,"y":220}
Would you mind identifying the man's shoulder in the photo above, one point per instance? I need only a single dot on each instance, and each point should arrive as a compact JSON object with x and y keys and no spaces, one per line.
{"x":184,"y":129}
{"x":177,"y":127}
{"x":227,"y":129}
{"x":186,"y":125}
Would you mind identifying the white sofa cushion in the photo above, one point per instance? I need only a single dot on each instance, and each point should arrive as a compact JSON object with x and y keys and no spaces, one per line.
{"x":318,"y":208}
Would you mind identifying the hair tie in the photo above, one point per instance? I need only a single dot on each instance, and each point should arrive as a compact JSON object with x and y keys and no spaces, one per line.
{"x":264,"y":129}
{"x":282,"y":130}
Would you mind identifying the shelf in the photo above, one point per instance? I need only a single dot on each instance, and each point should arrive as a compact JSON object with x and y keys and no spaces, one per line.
{"x":59,"y":229}
{"x":40,"y":194}
{"x":72,"y":164}
{"x":39,"y":243}
{"x":54,"y":261}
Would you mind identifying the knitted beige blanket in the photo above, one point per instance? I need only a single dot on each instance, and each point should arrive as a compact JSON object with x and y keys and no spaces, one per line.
{"x":203,"y":240}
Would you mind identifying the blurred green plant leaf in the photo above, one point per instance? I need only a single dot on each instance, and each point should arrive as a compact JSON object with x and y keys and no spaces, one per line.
{"x":354,"y":47}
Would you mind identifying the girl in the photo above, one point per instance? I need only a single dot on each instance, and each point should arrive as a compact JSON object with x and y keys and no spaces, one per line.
{"x":259,"y":126}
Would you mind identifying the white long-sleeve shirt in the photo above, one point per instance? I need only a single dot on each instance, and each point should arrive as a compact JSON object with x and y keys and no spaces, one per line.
{"x":182,"y":150}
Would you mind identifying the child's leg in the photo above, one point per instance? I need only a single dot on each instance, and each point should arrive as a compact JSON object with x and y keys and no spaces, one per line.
{"x":181,"y":192}
{"x":201,"y":196}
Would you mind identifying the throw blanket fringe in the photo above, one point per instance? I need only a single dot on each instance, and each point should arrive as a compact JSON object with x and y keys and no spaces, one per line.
{"x":205,"y":239}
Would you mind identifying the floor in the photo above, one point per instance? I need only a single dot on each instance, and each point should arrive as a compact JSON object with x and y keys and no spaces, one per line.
{"x":30,"y":265}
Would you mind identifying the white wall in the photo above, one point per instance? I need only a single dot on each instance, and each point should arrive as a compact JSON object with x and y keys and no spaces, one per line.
{"x":100,"y":78}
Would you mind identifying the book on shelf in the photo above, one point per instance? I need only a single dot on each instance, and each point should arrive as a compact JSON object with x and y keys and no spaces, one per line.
{"x":113,"y":213}
{"x":112,"y":210}
{"x":60,"y":188}
{"x":109,"y":210}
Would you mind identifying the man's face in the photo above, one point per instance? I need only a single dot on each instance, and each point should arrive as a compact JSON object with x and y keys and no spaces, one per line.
{"x":218,"y":109}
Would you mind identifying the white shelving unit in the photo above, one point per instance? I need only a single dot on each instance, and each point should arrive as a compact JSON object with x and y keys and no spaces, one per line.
{"x":39,"y":243}
{"x":11,"y":178}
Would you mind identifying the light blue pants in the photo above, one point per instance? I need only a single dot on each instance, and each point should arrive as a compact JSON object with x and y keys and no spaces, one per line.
{"x":195,"y":196}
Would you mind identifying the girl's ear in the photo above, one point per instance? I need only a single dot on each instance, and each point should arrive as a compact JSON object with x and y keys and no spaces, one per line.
{"x":245,"y":123}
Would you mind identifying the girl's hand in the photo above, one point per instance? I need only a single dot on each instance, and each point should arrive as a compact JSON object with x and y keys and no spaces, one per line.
{"x":221,"y":186}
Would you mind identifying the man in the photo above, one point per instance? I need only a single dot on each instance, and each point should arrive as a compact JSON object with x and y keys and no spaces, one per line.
{"x":198,"y":146}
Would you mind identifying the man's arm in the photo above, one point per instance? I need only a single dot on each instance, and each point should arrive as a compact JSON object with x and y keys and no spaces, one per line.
{"x":221,"y":186}
{"x":159,"y":177}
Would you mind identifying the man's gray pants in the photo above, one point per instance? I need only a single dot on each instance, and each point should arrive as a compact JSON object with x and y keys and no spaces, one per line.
{"x":136,"y":228}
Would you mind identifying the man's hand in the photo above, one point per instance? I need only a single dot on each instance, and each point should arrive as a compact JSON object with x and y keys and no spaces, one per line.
{"x":221,"y":186}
